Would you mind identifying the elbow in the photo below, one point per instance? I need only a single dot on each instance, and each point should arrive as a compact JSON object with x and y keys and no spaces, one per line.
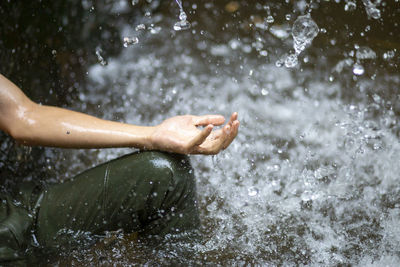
{"x":21,"y":128}
{"x":21,"y":134}
{"x":21,"y":138}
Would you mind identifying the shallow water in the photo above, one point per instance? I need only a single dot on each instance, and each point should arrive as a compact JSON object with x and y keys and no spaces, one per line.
{"x":313,"y":176}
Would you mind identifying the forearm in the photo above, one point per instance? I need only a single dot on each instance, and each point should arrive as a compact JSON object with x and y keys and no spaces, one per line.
{"x":52,"y":126}
{"x":33,"y":124}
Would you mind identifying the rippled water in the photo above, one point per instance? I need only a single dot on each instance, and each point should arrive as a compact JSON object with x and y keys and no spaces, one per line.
{"x":313,"y":176}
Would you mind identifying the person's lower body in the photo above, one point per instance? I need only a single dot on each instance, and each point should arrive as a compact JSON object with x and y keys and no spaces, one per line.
{"x":151,"y":193}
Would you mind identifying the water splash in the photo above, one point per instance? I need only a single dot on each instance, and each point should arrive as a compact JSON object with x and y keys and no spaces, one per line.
{"x":358,"y":69}
{"x":182,"y":24}
{"x":350,"y":6}
{"x":128,"y":41}
{"x":270,"y":19}
{"x":304,"y":31}
{"x":140,"y":27}
{"x":371,"y":9}
{"x":365,"y":52}
{"x":100,"y":58}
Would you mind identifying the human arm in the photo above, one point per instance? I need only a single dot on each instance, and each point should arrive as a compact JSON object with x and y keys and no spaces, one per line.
{"x":33,"y":124}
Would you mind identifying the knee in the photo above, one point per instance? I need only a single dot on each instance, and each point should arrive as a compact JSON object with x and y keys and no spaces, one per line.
{"x":159,"y":169}
{"x":172,"y":169}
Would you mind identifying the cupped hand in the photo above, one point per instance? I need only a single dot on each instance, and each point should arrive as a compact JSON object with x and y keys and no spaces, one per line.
{"x":181,"y":134}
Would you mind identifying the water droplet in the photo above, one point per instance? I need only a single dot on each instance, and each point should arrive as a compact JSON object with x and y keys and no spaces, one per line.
{"x":374,"y":13}
{"x":100,"y":59}
{"x":279,"y":32}
{"x":264,"y":91}
{"x":365,"y":52}
{"x":182,"y":25}
{"x":350,"y":6}
{"x":252,"y":191}
{"x":304,"y":30}
{"x":155,"y":30}
{"x":358,"y":69}
{"x":372,"y":10}
{"x":135,"y":2}
{"x":270,"y":19}
{"x":264,"y":53}
{"x":182,"y":15}
{"x":140,"y":27}
{"x":234,"y":44}
{"x":288,"y":16}
{"x":279,"y":63}
{"x":291,"y":61}
{"x":130,"y":41}
{"x":389,"y":54}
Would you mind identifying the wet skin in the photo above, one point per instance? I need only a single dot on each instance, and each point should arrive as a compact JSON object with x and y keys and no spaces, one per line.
{"x":33,"y":124}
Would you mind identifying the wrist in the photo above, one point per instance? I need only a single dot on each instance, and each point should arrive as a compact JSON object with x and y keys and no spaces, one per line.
{"x":148,"y":138}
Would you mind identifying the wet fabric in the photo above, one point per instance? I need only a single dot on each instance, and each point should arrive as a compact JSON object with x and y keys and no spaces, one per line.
{"x":151,"y":193}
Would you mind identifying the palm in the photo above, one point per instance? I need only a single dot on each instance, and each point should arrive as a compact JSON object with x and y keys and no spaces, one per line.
{"x":181,"y":135}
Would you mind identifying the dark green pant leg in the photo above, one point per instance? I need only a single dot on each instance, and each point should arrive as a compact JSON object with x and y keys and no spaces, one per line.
{"x":148,"y":192}
{"x":16,"y":220}
{"x":15,"y":223}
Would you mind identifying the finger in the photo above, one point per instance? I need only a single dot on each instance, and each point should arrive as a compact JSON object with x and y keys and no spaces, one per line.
{"x":217,"y":133}
{"x":201,"y":137}
{"x":234,"y":117}
{"x":216,"y":145}
{"x":233,"y":134}
{"x":209,"y":119}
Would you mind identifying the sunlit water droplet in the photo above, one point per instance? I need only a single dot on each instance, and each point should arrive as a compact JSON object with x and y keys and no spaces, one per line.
{"x":372,"y":10}
{"x":155,"y":30}
{"x":140,"y":27}
{"x":389,"y":54}
{"x":350,"y":6}
{"x":291,"y":61}
{"x":100,"y":58}
{"x":135,"y":2}
{"x":304,"y":30}
{"x":182,"y":15}
{"x":279,"y":32}
{"x":182,"y":25}
{"x":270,"y":19}
{"x":264,"y":91}
{"x":264,"y":53}
{"x":279,"y":63}
{"x":374,"y":13}
{"x":365,"y":52}
{"x":252,"y":191}
{"x":358,"y":69}
{"x":130,"y":41}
